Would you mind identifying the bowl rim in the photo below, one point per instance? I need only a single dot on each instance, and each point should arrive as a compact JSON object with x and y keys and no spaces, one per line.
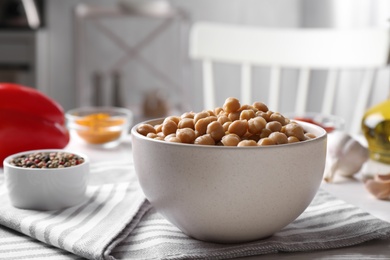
{"x":123,"y":113}
{"x":93,"y":109}
{"x":323,"y":134}
{"x":8,"y":158}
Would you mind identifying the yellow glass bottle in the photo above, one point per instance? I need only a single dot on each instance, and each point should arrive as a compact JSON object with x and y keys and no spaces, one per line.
{"x":376,"y":129}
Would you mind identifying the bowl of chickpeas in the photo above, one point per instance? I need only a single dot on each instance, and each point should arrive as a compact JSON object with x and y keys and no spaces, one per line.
{"x":236,"y":173}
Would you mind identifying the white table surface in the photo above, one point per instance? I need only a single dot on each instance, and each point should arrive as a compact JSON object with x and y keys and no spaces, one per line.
{"x":350,"y":190}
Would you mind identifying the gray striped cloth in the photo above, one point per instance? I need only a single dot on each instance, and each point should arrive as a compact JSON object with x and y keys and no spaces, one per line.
{"x":117,"y":222}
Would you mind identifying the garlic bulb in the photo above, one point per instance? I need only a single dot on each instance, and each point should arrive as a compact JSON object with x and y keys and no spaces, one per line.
{"x":345,"y":156}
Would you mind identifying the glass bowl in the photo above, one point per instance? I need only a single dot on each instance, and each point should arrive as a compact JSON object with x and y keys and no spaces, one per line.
{"x":101,"y":126}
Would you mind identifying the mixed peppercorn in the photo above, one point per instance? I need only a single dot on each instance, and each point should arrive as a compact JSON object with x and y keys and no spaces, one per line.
{"x":47,"y":160}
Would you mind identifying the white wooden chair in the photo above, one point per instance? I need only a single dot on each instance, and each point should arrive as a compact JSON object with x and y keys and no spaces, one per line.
{"x":303,"y":49}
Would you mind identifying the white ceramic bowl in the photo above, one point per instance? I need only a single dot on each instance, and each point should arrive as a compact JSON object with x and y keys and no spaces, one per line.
{"x":46,"y":189}
{"x":230,"y":194}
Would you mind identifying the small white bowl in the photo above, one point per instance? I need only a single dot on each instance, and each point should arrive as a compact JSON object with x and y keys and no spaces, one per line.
{"x":48,"y":188}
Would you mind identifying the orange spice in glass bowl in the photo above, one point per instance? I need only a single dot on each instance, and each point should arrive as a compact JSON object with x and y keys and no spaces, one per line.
{"x":102,"y":126}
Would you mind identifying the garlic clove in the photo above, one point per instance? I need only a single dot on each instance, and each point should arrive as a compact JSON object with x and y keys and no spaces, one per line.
{"x":330,"y":169}
{"x":379,"y":186}
{"x":352,"y":158}
{"x":382,"y":178}
{"x":346,"y":156}
{"x":336,"y":140}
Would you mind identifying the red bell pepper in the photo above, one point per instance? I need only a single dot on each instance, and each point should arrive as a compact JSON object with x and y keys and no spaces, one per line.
{"x":29,"y":120}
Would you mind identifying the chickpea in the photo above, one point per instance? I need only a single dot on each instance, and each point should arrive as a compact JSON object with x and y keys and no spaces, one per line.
{"x":309,"y":136}
{"x":200,"y":115}
{"x":205,"y":140}
{"x":187,"y":115}
{"x":145,"y":129}
{"x":269,"y":113}
{"x":279,"y":138}
{"x":247,"y":114}
{"x":260,"y":106}
{"x":278,"y":117}
{"x":215,"y":129}
{"x":151,"y":135}
{"x":234,"y":116}
{"x":212,"y":118}
{"x":175,"y":119}
{"x":245,"y":107}
{"x":223,"y":119}
{"x":211,"y":113}
{"x":223,"y":113}
{"x":166,"y":138}
{"x":249,"y":136}
{"x":274,"y":126}
{"x":238,"y":127}
{"x":226,"y":126}
{"x":283,"y":130}
{"x":201,"y":125}
{"x":158,"y":128}
{"x":231,"y":105}
{"x":169,"y":127}
{"x":292,"y":139}
{"x":256,"y":125}
{"x":293,"y":129}
{"x":263,"y":115}
{"x":159,"y":138}
{"x":247,"y":143}
{"x":265,"y":133}
{"x":218,"y":110}
{"x":186,"y":135}
{"x":266,"y":141}
{"x":161,"y":134}
{"x":174,"y":140}
{"x":186,"y":123}
{"x":230,"y":140}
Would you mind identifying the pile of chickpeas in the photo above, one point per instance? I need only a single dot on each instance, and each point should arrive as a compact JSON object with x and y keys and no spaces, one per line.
{"x":231,"y":125}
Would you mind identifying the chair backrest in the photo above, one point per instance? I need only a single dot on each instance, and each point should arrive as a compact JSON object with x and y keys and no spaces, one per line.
{"x":303,"y":49}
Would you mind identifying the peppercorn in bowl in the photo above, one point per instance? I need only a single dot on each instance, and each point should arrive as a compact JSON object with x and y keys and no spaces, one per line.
{"x":99,"y":126}
{"x":229,"y":183}
{"x":46,"y":179}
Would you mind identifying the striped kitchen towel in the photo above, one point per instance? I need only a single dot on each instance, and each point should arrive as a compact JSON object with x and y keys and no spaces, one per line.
{"x":118,"y":223}
{"x":85,"y":230}
{"x":327,"y":223}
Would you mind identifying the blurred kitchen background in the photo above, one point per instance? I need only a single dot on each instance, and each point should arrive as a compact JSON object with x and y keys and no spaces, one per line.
{"x":102,"y":52}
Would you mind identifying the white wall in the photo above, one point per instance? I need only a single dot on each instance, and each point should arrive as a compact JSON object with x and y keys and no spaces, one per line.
{"x":350,"y":14}
{"x":60,"y":52}
{"x":265,"y":13}
{"x":61,"y":81}
{"x":102,"y":53}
